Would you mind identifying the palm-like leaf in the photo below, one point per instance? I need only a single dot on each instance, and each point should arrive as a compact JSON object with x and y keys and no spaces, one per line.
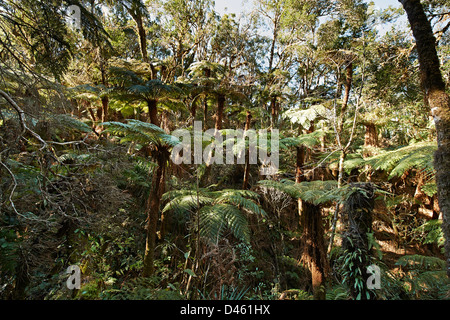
{"x":308,"y":140}
{"x":140,"y":132}
{"x":217,"y":210}
{"x":397,"y":162}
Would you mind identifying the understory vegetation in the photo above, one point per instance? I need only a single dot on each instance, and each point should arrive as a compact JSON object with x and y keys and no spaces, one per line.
{"x":89,"y":123}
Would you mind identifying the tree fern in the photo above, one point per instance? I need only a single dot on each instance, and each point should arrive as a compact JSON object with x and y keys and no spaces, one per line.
{"x":217,"y":210}
{"x":425,"y":276}
{"x":420,"y":262}
{"x":140,"y":132}
{"x":308,"y":140}
{"x":316,"y":192}
{"x":398,"y":161}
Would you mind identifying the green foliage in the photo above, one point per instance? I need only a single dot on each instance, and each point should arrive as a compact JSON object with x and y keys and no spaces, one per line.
{"x":305,"y":117}
{"x":316,"y":192}
{"x":425,"y":277}
{"x":400,"y":160}
{"x":140,"y":132}
{"x":9,"y":245}
{"x":142,"y":289}
{"x":217,"y":211}
{"x":308,"y":140}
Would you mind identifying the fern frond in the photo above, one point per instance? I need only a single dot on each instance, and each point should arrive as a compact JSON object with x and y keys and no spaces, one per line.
{"x":187,"y":203}
{"x":237,"y":200}
{"x":214,"y":220}
{"x":397,"y":162}
{"x":316,"y":192}
{"x":65,"y":122}
{"x":308,"y":140}
{"x":417,"y":261}
{"x":128,"y":132}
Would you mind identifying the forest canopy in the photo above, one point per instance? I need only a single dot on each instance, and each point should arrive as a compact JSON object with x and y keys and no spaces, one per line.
{"x":163,"y":150}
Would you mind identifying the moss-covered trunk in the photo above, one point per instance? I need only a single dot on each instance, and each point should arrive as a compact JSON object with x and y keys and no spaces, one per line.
{"x":314,"y":252}
{"x":357,"y":219}
{"x":439,"y":102}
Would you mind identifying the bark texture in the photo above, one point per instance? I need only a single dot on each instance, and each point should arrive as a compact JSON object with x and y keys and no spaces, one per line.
{"x":439,"y":102}
{"x":153,"y":204}
{"x":314,"y":252}
{"x":357,"y":218}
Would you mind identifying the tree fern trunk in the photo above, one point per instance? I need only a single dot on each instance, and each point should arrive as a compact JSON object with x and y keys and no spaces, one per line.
{"x":219,"y":114}
{"x":153,"y":111}
{"x":314,"y":253}
{"x":370,"y":138}
{"x":154,"y":200}
{"x":357,"y":219}
{"x":439,"y":102}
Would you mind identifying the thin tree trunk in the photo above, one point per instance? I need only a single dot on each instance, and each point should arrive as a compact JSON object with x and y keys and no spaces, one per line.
{"x":439,"y":102}
{"x":273,"y":112}
{"x":105,"y":102}
{"x":153,"y":203}
{"x":247,"y":156}
{"x":339,"y":130}
{"x":299,"y":173}
{"x":205,"y":114}
{"x":142,"y":37}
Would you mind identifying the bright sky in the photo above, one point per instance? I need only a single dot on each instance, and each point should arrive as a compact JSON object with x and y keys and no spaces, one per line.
{"x":237,"y":6}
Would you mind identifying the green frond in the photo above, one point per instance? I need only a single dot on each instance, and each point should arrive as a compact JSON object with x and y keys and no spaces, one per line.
{"x":421,"y":262}
{"x":187,"y":203}
{"x":145,"y":126}
{"x":124,"y":76}
{"x":316,"y":192}
{"x":397,"y":162}
{"x":286,"y":186}
{"x":305,"y":117}
{"x":214,"y":220}
{"x":128,"y":132}
{"x":238,"y":200}
{"x":219,"y":210}
{"x":308,"y":140}
{"x":64,"y":122}
{"x":140,"y":132}
{"x":172,"y":194}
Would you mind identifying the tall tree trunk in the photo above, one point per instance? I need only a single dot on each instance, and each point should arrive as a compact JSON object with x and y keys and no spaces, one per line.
{"x":299,"y":173}
{"x":205,"y":113}
{"x":142,"y":36}
{"x":247,"y":156}
{"x":314,"y":253}
{"x":439,"y":103}
{"x":153,"y":111}
{"x":153,"y":204}
{"x":339,"y":130}
{"x":105,"y":102}
{"x":219,"y":113}
{"x":370,"y":138}
{"x":357,"y":219}
{"x":273,"y":112}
